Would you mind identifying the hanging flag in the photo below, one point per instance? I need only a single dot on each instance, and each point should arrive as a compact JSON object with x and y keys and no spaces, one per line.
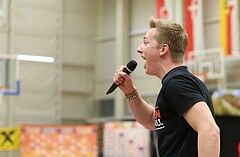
{"x":229,"y":27}
{"x":165,"y":9}
{"x":188,"y":27}
{"x":194,"y":25}
{"x":9,"y":138}
{"x":234,"y":23}
{"x":223,"y":24}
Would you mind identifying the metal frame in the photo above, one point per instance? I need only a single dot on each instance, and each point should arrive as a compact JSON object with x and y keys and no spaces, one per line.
{"x":210,"y":63}
{"x":17,"y":76}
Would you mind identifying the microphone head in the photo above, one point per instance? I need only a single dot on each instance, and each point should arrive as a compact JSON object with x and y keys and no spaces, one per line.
{"x":131,"y":65}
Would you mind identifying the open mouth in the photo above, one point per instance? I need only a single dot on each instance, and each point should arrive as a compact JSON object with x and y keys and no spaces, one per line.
{"x":145,"y":65}
{"x":145,"y":62}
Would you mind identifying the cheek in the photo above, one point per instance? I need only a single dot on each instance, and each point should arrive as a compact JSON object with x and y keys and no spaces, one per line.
{"x":153,"y":56}
{"x":151,"y":53}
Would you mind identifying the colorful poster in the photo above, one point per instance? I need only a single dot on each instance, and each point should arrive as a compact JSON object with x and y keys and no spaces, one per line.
{"x":125,"y":139}
{"x":59,"y":141}
{"x":9,"y":138}
{"x":226,"y":102}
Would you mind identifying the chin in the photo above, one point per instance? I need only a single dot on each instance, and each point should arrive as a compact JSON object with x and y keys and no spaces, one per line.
{"x":149,"y":73}
{"x":146,"y":72}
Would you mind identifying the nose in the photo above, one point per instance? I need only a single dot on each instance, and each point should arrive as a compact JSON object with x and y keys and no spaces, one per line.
{"x":139,"y":48}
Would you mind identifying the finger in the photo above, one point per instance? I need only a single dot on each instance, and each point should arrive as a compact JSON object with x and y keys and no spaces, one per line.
{"x":121,"y":68}
{"x":118,"y":78}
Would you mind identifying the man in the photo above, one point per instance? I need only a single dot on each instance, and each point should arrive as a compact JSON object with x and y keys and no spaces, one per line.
{"x":183,"y":116}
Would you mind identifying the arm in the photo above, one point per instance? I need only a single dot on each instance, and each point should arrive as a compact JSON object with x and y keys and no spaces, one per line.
{"x":142,"y":111}
{"x":202,"y":121}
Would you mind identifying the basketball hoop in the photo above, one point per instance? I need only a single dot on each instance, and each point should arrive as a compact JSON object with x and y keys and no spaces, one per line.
{"x":2,"y":87}
{"x":1,"y":99}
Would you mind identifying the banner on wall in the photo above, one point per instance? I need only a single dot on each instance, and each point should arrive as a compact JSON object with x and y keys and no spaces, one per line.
{"x":194,"y":25}
{"x":226,"y":102}
{"x":125,"y":139}
{"x":66,"y":141}
{"x":229,"y":26}
{"x":9,"y":138}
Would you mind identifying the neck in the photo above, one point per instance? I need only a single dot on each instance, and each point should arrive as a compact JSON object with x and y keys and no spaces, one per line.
{"x":166,"y":66}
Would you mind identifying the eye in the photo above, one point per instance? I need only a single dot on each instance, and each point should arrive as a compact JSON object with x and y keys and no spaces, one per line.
{"x":145,"y":42}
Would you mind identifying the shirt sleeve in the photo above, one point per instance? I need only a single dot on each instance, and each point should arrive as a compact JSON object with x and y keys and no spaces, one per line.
{"x":182,"y":94}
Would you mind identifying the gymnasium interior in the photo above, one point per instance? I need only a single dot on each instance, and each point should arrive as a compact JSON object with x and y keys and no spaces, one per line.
{"x":58,"y":57}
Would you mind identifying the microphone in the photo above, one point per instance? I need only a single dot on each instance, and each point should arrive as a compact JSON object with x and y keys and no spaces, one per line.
{"x":130,"y":67}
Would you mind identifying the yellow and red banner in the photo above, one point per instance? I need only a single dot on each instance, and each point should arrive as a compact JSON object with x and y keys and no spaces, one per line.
{"x":55,"y":141}
{"x":9,"y":138}
{"x":229,"y":27}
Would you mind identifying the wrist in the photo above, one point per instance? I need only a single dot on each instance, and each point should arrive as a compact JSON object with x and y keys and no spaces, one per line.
{"x":132,"y":95}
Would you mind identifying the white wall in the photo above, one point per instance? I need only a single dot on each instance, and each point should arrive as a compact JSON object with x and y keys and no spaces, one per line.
{"x":79,"y":32}
{"x":211,"y":23}
{"x":32,"y":27}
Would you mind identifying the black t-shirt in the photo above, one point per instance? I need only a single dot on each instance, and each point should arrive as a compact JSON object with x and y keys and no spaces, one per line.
{"x":180,"y":90}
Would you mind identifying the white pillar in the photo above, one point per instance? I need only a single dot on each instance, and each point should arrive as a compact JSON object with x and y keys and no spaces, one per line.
{"x":122,"y":48}
{"x":235,"y":27}
{"x":178,"y":11}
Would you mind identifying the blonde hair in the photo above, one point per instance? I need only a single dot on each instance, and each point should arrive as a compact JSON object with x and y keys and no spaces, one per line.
{"x":171,"y":33}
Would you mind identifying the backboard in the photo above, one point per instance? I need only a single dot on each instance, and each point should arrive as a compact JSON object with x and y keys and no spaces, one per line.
{"x":9,"y":75}
{"x":208,"y":64}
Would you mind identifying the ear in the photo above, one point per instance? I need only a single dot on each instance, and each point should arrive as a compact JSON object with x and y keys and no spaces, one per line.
{"x":164,"y":49}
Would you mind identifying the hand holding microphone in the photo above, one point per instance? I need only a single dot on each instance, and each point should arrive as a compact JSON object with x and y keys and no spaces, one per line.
{"x":130,"y":67}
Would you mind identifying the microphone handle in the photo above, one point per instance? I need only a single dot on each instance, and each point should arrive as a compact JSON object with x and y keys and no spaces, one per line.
{"x":112,"y":88}
{"x":114,"y":85}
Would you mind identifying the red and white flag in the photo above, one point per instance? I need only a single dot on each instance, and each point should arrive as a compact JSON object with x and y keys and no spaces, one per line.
{"x":165,"y":9}
{"x":194,"y":25}
{"x":234,"y":4}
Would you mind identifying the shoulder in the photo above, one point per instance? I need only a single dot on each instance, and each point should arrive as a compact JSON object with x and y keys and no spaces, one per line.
{"x":180,"y":82}
{"x":178,"y":73}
